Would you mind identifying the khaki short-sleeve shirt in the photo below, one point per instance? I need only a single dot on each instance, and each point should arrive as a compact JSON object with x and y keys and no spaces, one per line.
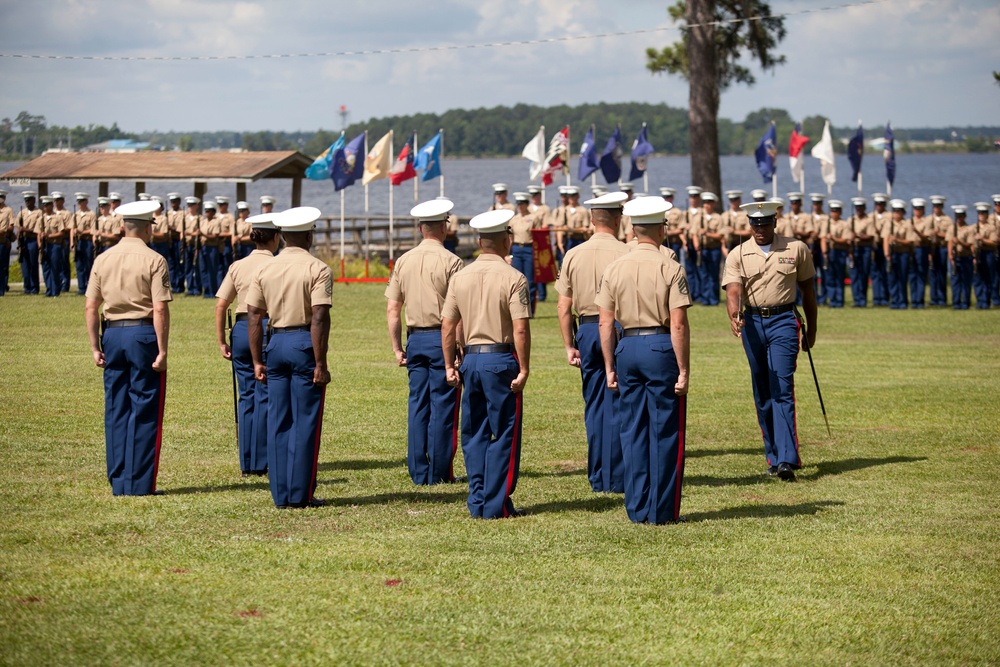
{"x":582,"y":268}
{"x":942,"y":223}
{"x":67,"y":219}
{"x":289,"y":286}
{"x":541,"y":212}
{"x":577,"y":218}
{"x":487,"y":296}
{"x":236,"y":284}
{"x":6,"y":222}
{"x":160,"y":225}
{"x":176,"y":221}
{"x":213,"y":227}
{"x":966,"y":239}
{"x":522,"y":226}
{"x":693,"y":219}
{"x":784,"y":227}
{"x":840,"y":229}
{"x":192,"y":225}
{"x":864,"y":226}
{"x":226,"y":221}
{"x":419,"y":280}
{"x":665,"y":250}
{"x":642,"y":287}
{"x":770,"y":280}
{"x":802,"y":223}
{"x":30,"y":221}
{"x":129,"y":278}
{"x":713,"y":224}
{"x":52,"y":224}
{"x":84,"y":222}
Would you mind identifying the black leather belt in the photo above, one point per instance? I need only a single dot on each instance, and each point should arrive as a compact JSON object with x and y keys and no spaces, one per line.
{"x":289,"y":329}
{"x":488,"y":349}
{"x":412,"y":330}
{"x":241,"y":316}
{"x":523,"y":245}
{"x":590,"y":319}
{"x":144,"y":322}
{"x":771,"y":311}
{"x":645,"y":331}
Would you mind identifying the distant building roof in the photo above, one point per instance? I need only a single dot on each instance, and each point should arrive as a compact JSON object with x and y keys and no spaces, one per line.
{"x":152,"y":166}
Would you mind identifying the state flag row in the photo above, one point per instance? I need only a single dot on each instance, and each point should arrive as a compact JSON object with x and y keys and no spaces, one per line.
{"x":342,"y":162}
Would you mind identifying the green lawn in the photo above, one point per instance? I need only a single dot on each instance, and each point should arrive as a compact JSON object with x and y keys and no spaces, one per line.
{"x":885,"y":552}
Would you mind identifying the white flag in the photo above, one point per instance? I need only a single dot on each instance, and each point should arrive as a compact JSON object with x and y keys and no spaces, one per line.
{"x":823,"y":151}
{"x":534,"y":150}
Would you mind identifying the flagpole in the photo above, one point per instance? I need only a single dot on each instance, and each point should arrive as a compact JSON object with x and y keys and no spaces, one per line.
{"x":440,"y":158}
{"x":416,"y":180}
{"x":774,"y":185}
{"x":569,"y":176}
{"x":392,"y":153}
{"x":342,"y":275}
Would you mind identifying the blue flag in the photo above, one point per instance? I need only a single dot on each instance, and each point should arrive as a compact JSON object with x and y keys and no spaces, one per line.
{"x":641,"y":148}
{"x":767,"y":151}
{"x":429,"y":158}
{"x":320,"y":169}
{"x":588,"y":156}
{"x":611,"y":157}
{"x":349,"y":163}
{"x":889,"y":153}
{"x":856,"y":149}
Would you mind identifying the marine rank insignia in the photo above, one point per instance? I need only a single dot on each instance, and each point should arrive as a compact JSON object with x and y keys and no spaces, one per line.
{"x":523,"y":296}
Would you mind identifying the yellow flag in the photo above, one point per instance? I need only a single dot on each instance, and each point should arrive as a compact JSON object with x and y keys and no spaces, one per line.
{"x":378,"y":161}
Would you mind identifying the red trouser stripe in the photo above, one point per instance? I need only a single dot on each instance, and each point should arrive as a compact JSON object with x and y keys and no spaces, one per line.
{"x":513,"y":451}
{"x":319,"y":431}
{"x":159,"y":426}
{"x":454,"y":433}
{"x":681,"y":428}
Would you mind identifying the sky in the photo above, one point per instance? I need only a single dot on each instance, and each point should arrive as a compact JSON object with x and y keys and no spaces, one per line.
{"x":916,"y":63}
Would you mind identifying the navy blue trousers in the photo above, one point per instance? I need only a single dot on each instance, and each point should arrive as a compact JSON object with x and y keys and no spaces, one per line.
{"x":4,"y":267}
{"x":690,"y":259}
{"x":939,"y":276}
{"x":192,"y":276}
{"x":653,"y":421}
{"x":605,"y":465}
{"x":162,"y":249}
{"x":708,"y":277}
{"x":84,"y":262}
{"x":523,"y":259}
{"x":860,"y":275}
{"x":432,"y":411}
{"x":772,"y":348}
{"x":52,"y":268}
{"x":133,"y":409}
{"x":919,"y":273}
{"x":208,"y":261}
{"x":836,"y":272}
{"x":899,"y":272}
{"x":961,"y":283}
{"x":677,"y":248}
{"x":880,"y":277}
{"x":175,"y":265}
{"x":29,"y":266}
{"x":821,"y":277}
{"x":491,"y":432}
{"x":986,"y":266}
{"x":225,"y":259}
{"x":294,"y":418}
{"x":65,"y":273}
{"x":252,"y":404}
{"x":451,"y":245}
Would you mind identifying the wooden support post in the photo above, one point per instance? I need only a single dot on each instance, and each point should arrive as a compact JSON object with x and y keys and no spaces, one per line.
{"x":296,"y":191}
{"x":140,"y":186}
{"x":241,"y":192}
{"x":102,"y":189}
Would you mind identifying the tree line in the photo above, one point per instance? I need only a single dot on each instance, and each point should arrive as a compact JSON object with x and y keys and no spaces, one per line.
{"x":497,"y":131}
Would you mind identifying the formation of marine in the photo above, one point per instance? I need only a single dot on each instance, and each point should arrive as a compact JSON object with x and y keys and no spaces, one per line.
{"x":630,"y":269}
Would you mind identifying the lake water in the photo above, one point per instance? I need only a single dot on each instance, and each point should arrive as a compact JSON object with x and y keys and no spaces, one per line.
{"x":962,"y":178}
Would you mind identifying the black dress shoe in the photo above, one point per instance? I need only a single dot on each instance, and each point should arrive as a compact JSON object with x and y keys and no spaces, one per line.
{"x":316,"y":502}
{"x":786,"y":472}
{"x":158,"y":492}
{"x":772,"y":470}
{"x":518,"y":513}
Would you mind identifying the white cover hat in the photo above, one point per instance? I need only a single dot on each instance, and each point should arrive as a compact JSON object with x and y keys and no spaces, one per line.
{"x":298,"y":219}
{"x":262,"y":221}
{"x":435,"y":210}
{"x":612,"y":200}
{"x":138,"y":211}
{"x":492,"y":222}
{"x":760,"y":210}
{"x":647,"y":210}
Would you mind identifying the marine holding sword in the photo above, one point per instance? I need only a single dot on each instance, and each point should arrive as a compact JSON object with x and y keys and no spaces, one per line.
{"x":251,"y":404}
{"x":760,"y":278}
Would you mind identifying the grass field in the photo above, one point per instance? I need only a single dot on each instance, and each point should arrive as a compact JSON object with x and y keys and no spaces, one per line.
{"x":887,"y":551}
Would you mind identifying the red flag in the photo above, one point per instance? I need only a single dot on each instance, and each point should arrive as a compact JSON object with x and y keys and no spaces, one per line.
{"x":796,"y":142}
{"x":545,"y":266}
{"x":557,"y":159}
{"x":402,"y":170}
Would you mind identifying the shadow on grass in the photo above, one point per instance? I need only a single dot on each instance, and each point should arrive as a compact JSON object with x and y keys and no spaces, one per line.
{"x":763,"y":511}
{"x":362,"y":464}
{"x":849,"y":465}
{"x":246,"y":486}
{"x":402,"y":497}
{"x":698,"y":453}
{"x":593,"y":504}
{"x":554,"y":473}
{"x":705,"y":480}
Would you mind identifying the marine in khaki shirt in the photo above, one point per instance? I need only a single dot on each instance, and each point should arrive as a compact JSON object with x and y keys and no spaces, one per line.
{"x":192,"y":225}
{"x":902,"y":238}
{"x":84,"y":223}
{"x":769,"y":279}
{"x":29,"y":221}
{"x":487,"y":296}
{"x":642,"y":287}
{"x":863,"y":228}
{"x":522,"y":223}
{"x":420,"y":280}
{"x":236,"y":284}
{"x":129,"y":279}
{"x":288,"y":287}
{"x":961,"y":240}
